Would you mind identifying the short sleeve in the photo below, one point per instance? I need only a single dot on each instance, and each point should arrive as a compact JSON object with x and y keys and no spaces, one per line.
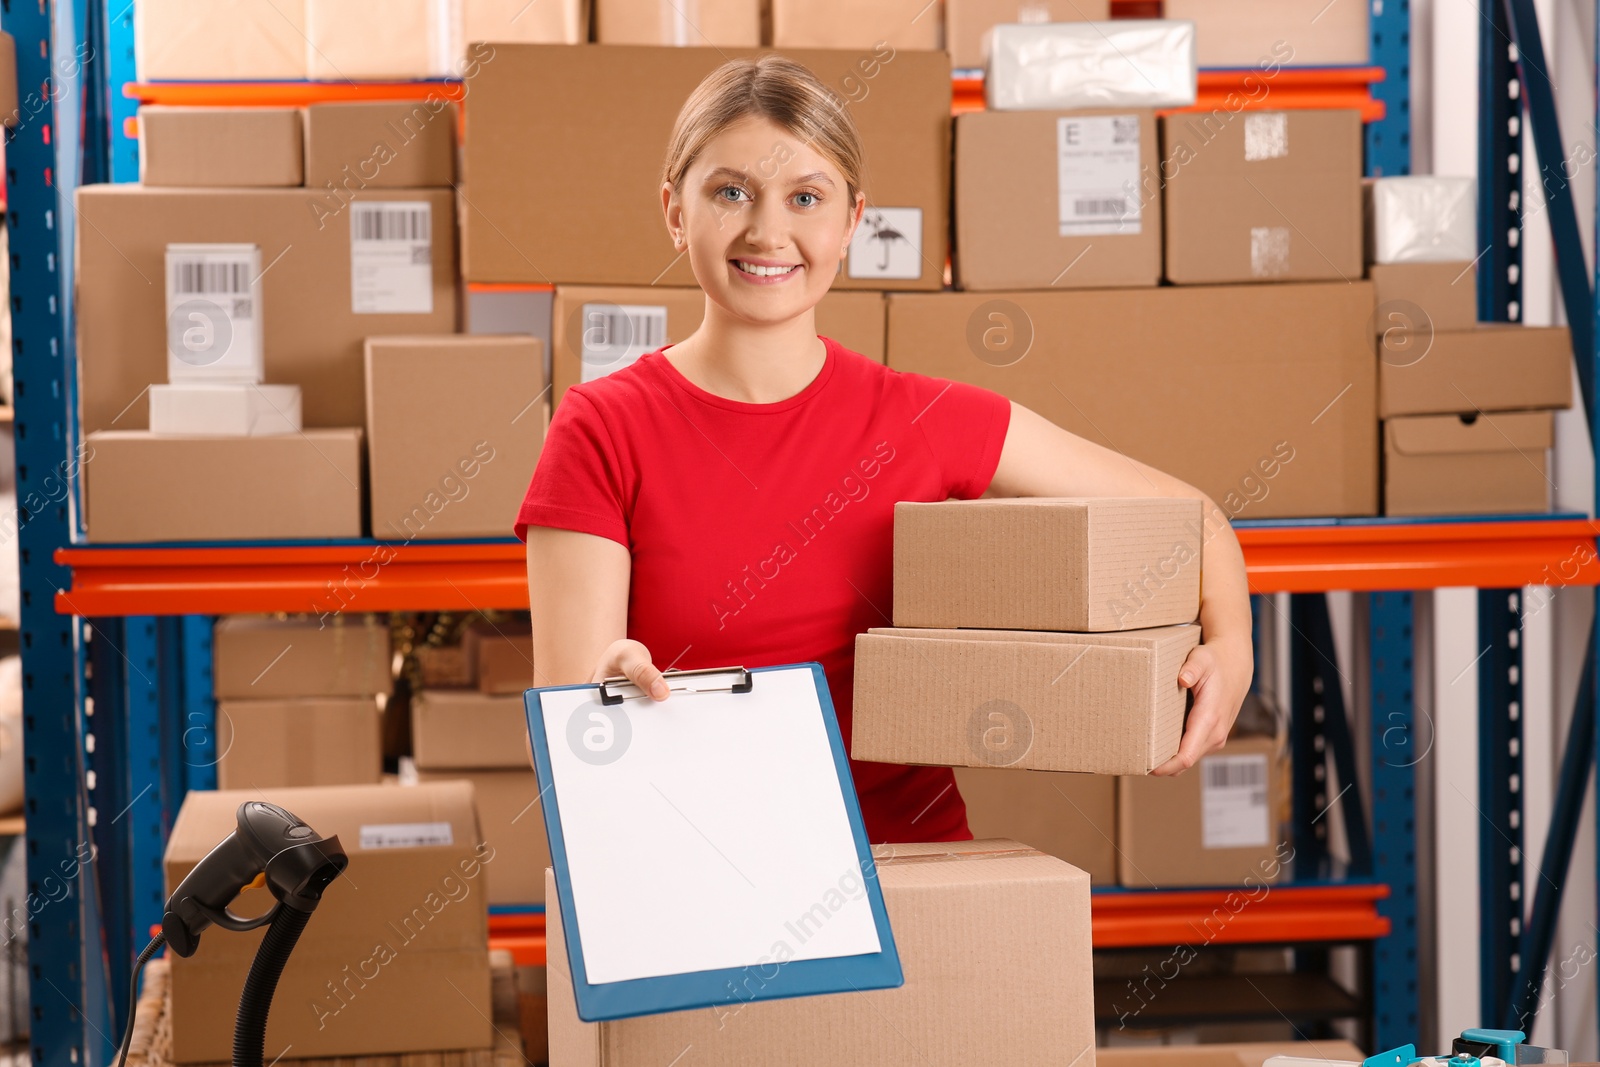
{"x":965,"y":427}
{"x":578,"y":482}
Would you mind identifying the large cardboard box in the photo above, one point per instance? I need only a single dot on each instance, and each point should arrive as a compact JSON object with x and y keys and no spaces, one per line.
{"x":547,"y":22}
{"x":381,"y":144}
{"x":396,"y":957}
{"x":1057,"y":199}
{"x":981,"y":928}
{"x":1467,"y":465}
{"x":599,"y":329}
{"x":315,"y":277}
{"x":704,"y":23}
{"x":454,"y":427}
{"x":1423,"y":297}
{"x":411,"y":39}
{"x":1274,"y":421}
{"x":501,"y":656}
{"x":208,"y":40}
{"x":238,"y":146}
{"x":1246,"y":33}
{"x":1034,"y":563}
{"x":307,"y":741}
{"x":512,"y":822}
{"x":967,"y":22}
{"x":1070,"y":816}
{"x":868,"y":28}
{"x":461,"y":729}
{"x":257,"y":657}
{"x":1246,"y":1054}
{"x":1493,"y":366}
{"x":520,"y":226}
{"x":1220,"y":823}
{"x":140,"y":486}
{"x":1099,"y":703}
{"x":1262,"y":196}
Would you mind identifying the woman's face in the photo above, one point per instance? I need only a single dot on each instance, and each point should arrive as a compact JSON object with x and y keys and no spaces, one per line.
{"x":766,"y":219}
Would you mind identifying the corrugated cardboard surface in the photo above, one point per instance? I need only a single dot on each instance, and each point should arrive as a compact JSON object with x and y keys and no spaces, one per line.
{"x":854,"y":319}
{"x":454,"y":428}
{"x":140,"y":486}
{"x":1044,"y":564}
{"x":729,"y":23}
{"x":1101,"y":703}
{"x":1490,"y":367}
{"x":519,"y":209}
{"x":257,"y":657}
{"x":1249,"y":1054}
{"x":344,"y":41}
{"x":202,"y":40}
{"x":444,"y":666}
{"x":312,"y":338}
{"x":512,"y":821}
{"x":243,"y":146}
{"x":1262,"y":196}
{"x":383,"y":144}
{"x":547,"y":22}
{"x":460,"y":729}
{"x":310,"y":741}
{"x":1007,"y":201}
{"x":1070,"y":816}
{"x":1419,"y":296}
{"x":1249,"y":33}
{"x":501,"y":655}
{"x":983,"y":928}
{"x":966,"y":22}
{"x":901,"y":24}
{"x":1443,"y":465}
{"x":1276,"y":420}
{"x":375,"y":970}
{"x":1159,"y":841}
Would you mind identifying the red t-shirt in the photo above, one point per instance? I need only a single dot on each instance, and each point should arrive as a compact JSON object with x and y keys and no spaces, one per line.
{"x":762,"y":534}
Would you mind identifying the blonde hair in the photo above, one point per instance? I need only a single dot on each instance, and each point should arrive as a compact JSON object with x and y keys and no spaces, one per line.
{"x":773,"y":87}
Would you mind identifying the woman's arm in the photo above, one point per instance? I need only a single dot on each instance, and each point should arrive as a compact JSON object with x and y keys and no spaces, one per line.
{"x":1039,"y":458}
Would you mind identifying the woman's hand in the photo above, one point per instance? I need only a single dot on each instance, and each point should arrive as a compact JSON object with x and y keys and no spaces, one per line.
{"x":631,"y":660}
{"x":1218,"y":673}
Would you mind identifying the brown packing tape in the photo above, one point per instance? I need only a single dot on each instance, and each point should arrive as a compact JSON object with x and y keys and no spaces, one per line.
{"x":939,"y":857}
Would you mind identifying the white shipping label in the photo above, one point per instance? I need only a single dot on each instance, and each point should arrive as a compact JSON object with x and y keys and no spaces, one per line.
{"x":616,"y":335}
{"x":391,"y":257}
{"x":887,"y":244}
{"x":406,"y":835}
{"x":1233,"y":809}
{"x":212,"y":317}
{"x":1266,"y":136}
{"x":1269,"y":251}
{"x":1097,"y":169}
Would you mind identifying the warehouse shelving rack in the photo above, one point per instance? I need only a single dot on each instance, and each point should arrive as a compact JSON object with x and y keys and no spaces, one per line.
{"x":116,"y":641}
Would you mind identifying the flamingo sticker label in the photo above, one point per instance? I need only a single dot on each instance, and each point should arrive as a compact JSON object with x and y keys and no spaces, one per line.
{"x":1097,"y":168}
{"x":887,"y":244}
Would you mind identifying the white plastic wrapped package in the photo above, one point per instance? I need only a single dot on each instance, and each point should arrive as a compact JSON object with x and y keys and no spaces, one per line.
{"x":1069,"y":66}
{"x":1422,"y":219}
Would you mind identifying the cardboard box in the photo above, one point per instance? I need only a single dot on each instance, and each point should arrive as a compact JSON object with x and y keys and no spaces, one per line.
{"x":1100,"y":703}
{"x":1248,"y":1054}
{"x":444,"y":667}
{"x":1274,"y":421}
{"x":520,"y":226}
{"x":1421,"y":218}
{"x":1070,"y":816}
{"x":1490,"y":367}
{"x":140,"y":486}
{"x":506,"y":21}
{"x":311,"y":328}
{"x":461,"y":729}
{"x":308,"y":741}
{"x":596,"y":330}
{"x":1033,"y":563}
{"x":1047,"y":199}
{"x":1422,"y":297}
{"x":10,"y":102}
{"x":224,"y":409}
{"x":412,"y":39}
{"x":400,"y":964}
{"x":512,"y":821}
{"x":899,"y":24}
{"x":1245,"y":33}
{"x":967,"y":22}
{"x":1069,"y":66}
{"x":1262,"y":196}
{"x":241,"y":146}
{"x":704,"y":23}
{"x":1467,"y":464}
{"x":203,"y":40}
{"x":980,"y":926}
{"x":381,"y":144}
{"x":1220,"y":823}
{"x":258,"y":657}
{"x":501,"y":655}
{"x":454,"y":425}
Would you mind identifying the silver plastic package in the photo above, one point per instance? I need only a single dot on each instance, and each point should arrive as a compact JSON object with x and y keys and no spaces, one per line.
{"x":1422,"y":219}
{"x":1073,"y":65}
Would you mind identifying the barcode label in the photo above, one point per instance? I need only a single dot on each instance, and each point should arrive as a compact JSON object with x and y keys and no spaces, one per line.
{"x":1097,"y":173}
{"x":199,"y":278}
{"x":1234,"y":809}
{"x":213,"y":318}
{"x":1232,"y":772}
{"x":391,"y":257}
{"x":616,"y":335}
{"x":406,"y":835}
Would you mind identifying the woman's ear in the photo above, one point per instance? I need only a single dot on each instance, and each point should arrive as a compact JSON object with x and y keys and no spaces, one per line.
{"x":855,"y":220}
{"x":673,"y":210}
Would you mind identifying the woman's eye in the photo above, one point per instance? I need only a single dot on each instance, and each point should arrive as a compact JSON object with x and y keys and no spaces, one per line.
{"x":806,"y":199}
{"x":729,"y":189}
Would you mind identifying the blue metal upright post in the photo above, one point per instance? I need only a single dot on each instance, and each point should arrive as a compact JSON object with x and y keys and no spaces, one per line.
{"x":1396,"y":749}
{"x":1500,"y":850}
{"x":1389,"y":138}
{"x":1499,"y":170}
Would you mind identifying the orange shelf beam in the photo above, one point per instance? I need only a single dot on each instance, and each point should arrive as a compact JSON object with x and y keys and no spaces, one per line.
{"x":1276,"y":915}
{"x":1249,"y":90}
{"x":522,"y":935}
{"x":286,"y":93}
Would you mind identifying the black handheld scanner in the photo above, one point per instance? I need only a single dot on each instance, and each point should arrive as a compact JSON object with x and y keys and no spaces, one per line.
{"x":270,"y":847}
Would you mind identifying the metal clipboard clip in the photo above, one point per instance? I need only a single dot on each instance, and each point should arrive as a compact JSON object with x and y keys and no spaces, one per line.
{"x":744,"y":682}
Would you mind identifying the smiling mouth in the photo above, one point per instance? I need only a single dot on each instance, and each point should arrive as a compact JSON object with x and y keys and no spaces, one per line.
{"x":763,"y":272}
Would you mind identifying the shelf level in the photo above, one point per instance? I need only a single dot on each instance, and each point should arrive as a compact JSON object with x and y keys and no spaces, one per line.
{"x":1232,"y":91}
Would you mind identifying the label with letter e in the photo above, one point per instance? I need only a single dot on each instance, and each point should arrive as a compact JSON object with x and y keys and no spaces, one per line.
{"x":406,"y":834}
{"x":1233,"y":808}
{"x":1097,"y":172}
{"x":391,"y":257}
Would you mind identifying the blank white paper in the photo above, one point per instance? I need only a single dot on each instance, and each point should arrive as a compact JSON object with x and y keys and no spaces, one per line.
{"x":717,"y":839}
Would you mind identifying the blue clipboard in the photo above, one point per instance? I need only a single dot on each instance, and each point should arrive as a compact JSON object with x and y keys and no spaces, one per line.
{"x":600,"y":1001}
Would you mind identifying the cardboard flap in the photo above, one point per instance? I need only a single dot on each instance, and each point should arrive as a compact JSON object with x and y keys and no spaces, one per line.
{"x":1452,"y":434}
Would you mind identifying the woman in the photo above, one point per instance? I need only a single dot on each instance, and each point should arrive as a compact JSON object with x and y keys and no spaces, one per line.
{"x":667,"y":522}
